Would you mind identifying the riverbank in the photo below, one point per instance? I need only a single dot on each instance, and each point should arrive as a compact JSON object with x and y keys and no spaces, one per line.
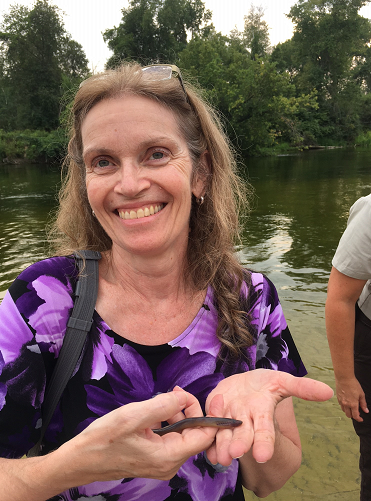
{"x":28,"y":146}
{"x":39,"y":147}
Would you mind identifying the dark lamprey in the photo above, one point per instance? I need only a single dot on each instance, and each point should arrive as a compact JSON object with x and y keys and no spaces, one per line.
{"x":215,"y":422}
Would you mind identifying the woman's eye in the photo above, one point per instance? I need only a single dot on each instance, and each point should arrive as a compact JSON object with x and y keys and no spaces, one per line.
{"x":103,"y":163}
{"x":157,"y":155}
{"x":101,"y":166}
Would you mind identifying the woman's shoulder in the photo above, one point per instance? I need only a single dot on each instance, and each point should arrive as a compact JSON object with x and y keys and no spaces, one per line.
{"x":52,"y":270}
{"x":361,"y":208}
{"x":57,"y":266}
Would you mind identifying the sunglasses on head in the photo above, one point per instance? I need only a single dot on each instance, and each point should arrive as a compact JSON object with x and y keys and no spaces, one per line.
{"x":157,"y":72}
{"x":164,"y":72}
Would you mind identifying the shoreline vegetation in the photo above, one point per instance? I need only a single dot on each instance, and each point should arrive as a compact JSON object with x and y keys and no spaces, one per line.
{"x":41,"y":147}
{"x":28,"y":146}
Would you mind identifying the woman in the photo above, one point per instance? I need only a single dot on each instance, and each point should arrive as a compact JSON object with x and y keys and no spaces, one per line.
{"x":151,"y":185}
{"x":348,"y":324}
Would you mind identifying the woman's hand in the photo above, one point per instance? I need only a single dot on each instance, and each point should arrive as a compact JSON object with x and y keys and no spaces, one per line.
{"x":252,"y":397}
{"x":351,"y":397}
{"x":121,"y":444}
{"x":118,"y":445}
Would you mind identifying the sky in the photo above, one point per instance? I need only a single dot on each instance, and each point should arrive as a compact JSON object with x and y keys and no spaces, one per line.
{"x":85,"y":20}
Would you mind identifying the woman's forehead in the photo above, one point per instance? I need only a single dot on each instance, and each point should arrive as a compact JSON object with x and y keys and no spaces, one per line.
{"x":130,"y":118}
{"x":130,"y":113}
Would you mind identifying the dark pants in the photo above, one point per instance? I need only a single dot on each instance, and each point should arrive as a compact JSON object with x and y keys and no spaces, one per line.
{"x":362,"y":368}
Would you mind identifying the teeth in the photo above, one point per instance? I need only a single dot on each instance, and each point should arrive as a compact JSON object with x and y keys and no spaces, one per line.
{"x":147,"y":211}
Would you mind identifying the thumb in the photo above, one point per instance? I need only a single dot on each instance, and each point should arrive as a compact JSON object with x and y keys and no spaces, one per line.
{"x":160,"y":408}
{"x":305,"y":388}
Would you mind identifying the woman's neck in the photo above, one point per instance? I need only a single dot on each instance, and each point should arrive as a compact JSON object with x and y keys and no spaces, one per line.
{"x":150,"y":277}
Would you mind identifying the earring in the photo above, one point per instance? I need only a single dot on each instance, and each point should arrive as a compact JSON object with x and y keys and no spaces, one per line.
{"x":200,"y":200}
{"x":93,"y":213}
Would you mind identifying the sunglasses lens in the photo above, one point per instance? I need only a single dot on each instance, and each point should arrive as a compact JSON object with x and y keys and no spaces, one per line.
{"x":157,"y":72}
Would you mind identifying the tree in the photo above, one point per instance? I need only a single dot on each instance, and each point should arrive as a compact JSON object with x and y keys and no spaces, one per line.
{"x":37,"y":54}
{"x":256,"y":32}
{"x":328,"y":36}
{"x":155,"y":30}
{"x":330,"y":41}
{"x":257,"y":102}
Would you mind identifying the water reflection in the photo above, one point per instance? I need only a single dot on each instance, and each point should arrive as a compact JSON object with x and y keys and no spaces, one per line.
{"x":27,"y":195}
{"x":301,"y":209}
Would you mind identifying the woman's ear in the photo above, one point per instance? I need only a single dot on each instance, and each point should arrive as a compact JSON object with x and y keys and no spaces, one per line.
{"x":203,"y":171}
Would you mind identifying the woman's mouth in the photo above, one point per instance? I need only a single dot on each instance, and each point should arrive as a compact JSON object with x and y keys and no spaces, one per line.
{"x":142,"y":212}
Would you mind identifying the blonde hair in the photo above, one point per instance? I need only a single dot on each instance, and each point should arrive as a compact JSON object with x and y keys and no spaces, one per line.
{"x":214,"y":225}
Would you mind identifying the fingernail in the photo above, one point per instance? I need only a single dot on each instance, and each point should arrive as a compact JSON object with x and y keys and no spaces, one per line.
{"x":238,"y":457}
{"x":261,"y":462}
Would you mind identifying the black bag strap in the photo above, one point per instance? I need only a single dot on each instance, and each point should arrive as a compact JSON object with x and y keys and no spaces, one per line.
{"x":78,"y":326}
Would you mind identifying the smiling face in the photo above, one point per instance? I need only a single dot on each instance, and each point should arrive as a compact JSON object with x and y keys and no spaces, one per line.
{"x":139,"y":175}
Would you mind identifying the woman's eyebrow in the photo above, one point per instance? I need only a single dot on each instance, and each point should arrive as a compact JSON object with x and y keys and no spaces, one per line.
{"x":96,"y":151}
{"x":150,"y":142}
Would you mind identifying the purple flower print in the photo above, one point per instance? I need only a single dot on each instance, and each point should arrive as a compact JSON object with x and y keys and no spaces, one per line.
{"x":132,"y":380}
{"x":203,"y":482}
{"x":2,"y":385}
{"x":20,"y":364}
{"x":134,"y":489}
{"x":50,"y":319}
{"x":14,"y":332}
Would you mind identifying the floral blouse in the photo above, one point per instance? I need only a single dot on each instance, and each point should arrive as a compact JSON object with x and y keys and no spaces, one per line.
{"x":114,"y":371}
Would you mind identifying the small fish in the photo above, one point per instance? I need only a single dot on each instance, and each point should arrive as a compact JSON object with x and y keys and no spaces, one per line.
{"x":215,"y":422}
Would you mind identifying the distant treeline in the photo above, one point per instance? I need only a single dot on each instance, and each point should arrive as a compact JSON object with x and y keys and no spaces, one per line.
{"x":313,"y":89}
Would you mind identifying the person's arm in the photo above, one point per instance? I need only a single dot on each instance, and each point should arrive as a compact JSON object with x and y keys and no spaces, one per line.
{"x":342,"y":295}
{"x":118,"y":445}
{"x":267,"y":443}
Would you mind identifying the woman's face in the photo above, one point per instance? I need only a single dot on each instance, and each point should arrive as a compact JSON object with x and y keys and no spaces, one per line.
{"x":139,"y":175}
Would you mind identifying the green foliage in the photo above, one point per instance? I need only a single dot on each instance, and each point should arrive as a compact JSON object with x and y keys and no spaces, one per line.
{"x":33,"y":146}
{"x":314,"y":89}
{"x":155,"y":30}
{"x":256,"y":33}
{"x":257,"y":102}
{"x":364,"y":140}
{"x":329,"y":53}
{"x":37,"y":55}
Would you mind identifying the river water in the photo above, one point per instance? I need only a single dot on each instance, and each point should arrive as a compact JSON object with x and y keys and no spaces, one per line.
{"x":299,"y":212}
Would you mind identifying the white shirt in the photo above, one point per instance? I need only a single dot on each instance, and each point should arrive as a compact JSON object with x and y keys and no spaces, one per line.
{"x":353,"y":255}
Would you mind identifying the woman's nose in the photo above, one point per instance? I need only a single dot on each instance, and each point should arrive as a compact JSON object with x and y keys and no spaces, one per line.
{"x":131,"y":180}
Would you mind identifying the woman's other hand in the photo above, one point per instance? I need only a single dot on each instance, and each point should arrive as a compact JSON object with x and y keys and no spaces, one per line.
{"x":252,"y":397}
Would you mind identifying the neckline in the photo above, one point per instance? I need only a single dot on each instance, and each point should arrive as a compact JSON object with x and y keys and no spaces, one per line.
{"x":206,"y":306}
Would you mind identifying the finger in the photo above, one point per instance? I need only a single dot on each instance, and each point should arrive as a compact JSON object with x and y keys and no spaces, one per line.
{"x":233,"y":443}
{"x":160,"y":408}
{"x":223,"y":441}
{"x":193,"y":407}
{"x":354,"y":411}
{"x":304,"y":388}
{"x":211,"y":453}
{"x":190,"y":442}
{"x":264,"y":437}
{"x":216,"y":406}
{"x":363,"y":404}
{"x":220,"y":450}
